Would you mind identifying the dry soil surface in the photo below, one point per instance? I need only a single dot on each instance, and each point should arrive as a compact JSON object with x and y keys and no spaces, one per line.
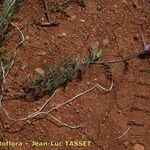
{"x":116,"y":27}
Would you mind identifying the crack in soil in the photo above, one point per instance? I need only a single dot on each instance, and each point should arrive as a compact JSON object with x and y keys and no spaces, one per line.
{"x":140,"y":110}
{"x":91,"y":139}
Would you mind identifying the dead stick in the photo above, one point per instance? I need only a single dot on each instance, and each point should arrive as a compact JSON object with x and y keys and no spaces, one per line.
{"x":47,"y":13}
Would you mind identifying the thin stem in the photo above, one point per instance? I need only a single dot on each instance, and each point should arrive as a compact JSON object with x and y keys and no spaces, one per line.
{"x":21,"y":35}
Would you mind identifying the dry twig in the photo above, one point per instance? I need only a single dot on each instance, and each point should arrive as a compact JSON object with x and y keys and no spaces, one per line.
{"x":124,"y":133}
{"x":40,"y":112}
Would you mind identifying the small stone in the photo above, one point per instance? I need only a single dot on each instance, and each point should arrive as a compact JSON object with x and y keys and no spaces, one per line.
{"x":23,"y":67}
{"x":88,"y":83}
{"x":29,"y":121}
{"x":77,"y":111}
{"x":119,"y":111}
{"x":70,"y":104}
{"x":46,"y":42}
{"x":39,"y":71}
{"x":27,"y":37}
{"x":42,"y":19}
{"x":7,"y":126}
{"x":126,"y":143}
{"x":73,"y":17}
{"x":82,"y":20}
{"x":133,"y":141}
{"x":99,"y":7}
{"x":115,"y":6}
{"x":124,"y":1}
{"x":42,"y":53}
{"x":62,"y":35}
{"x":138,"y":147}
{"x":50,"y":50}
{"x":52,"y":37}
{"x":41,"y":131}
{"x":105,"y":42}
{"x":97,"y":43}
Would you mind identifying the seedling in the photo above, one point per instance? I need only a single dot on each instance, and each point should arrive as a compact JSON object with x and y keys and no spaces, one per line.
{"x":57,"y":75}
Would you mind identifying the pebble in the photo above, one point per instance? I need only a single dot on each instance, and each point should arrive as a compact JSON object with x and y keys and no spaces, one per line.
{"x":97,"y":43}
{"x":23,"y":67}
{"x":42,"y":53}
{"x":73,"y":17}
{"x":41,"y":131}
{"x":126,"y":143}
{"x":87,"y":83}
{"x":133,"y":141}
{"x":46,"y":42}
{"x":70,"y":104}
{"x":138,"y":147}
{"x":99,"y":7}
{"x":105,"y":42}
{"x":124,"y":1}
{"x":77,"y":111}
{"x":62,"y":35}
{"x":29,"y":121}
{"x":82,"y":20}
{"x":27,"y":37}
{"x":39,"y":71}
{"x":7,"y":126}
{"x":50,"y":50}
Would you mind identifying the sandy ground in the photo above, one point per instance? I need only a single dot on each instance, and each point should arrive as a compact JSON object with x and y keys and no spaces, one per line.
{"x":116,"y":27}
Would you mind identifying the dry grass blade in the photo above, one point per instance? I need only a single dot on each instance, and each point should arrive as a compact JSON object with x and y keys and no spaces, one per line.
{"x":8,"y":9}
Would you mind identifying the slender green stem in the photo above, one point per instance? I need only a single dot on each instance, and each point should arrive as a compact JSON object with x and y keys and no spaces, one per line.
{"x":7,"y":12}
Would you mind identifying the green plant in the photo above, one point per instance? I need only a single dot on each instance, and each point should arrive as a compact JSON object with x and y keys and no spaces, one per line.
{"x":58,"y":75}
{"x":6,"y":14}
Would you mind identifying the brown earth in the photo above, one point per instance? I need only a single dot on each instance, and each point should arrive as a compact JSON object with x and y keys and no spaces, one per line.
{"x":116,"y":26}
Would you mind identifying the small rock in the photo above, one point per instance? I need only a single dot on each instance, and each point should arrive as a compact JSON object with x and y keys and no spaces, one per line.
{"x":97,"y":43}
{"x":41,"y":131}
{"x":23,"y":67}
{"x":46,"y":42}
{"x":73,"y":17}
{"x":39,"y":71}
{"x":115,"y":6}
{"x":133,"y":141}
{"x":52,"y":37}
{"x":126,"y":143}
{"x":27,"y":37}
{"x":29,"y":121}
{"x":77,"y":111}
{"x":42,"y":19}
{"x":50,"y":50}
{"x":99,"y":7}
{"x":7,"y":126}
{"x":124,"y":1}
{"x":62,"y":35}
{"x":138,"y":147}
{"x":42,"y":53}
{"x":82,"y":20}
{"x":70,"y":104}
{"x":105,"y":42}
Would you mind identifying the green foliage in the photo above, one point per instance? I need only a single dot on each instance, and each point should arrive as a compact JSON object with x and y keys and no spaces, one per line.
{"x":8,"y":9}
{"x":59,"y":74}
{"x":5,"y":62}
